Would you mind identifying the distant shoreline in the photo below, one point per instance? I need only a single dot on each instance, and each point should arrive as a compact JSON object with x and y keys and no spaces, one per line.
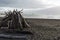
{"x":42,"y":18}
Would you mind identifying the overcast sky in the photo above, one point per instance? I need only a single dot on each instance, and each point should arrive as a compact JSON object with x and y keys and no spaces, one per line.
{"x":29,"y":3}
{"x":29,"y":6}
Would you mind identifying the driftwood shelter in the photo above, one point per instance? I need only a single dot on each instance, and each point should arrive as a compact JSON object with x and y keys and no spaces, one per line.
{"x":14,"y":20}
{"x":12,"y":26}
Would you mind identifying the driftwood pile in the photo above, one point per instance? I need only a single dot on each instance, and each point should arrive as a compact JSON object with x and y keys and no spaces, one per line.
{"x":14,"y":20}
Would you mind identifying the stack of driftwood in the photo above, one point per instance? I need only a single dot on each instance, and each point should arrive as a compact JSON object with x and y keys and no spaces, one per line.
{"x":14,"y":20}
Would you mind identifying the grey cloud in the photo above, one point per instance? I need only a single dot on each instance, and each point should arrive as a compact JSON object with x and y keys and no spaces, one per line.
{"x":21,"y":3}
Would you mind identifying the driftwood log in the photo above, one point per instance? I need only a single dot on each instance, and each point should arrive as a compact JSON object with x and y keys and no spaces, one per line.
{"x":14,"y":20}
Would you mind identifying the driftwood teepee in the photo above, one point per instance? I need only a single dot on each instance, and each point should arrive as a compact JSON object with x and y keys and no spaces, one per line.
{"x":14,"y":20}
